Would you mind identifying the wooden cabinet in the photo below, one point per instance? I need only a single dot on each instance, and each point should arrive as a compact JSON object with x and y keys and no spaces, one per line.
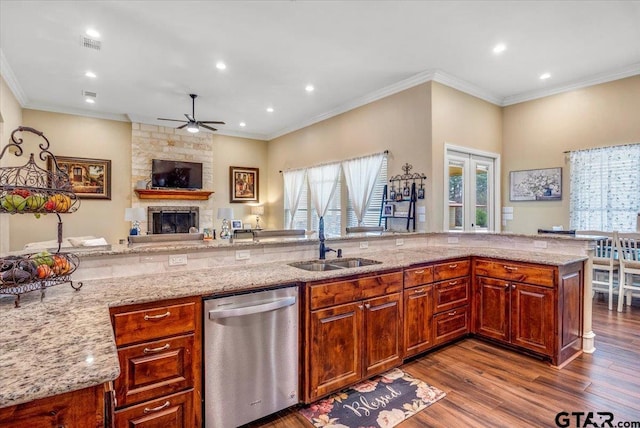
{"x":353,"y":331}
{"x":418,"y":310}
{"x":451,"y":296}
{"x":159,"y":348}
{"x":82,"y":409}
{"x":533,"y":307}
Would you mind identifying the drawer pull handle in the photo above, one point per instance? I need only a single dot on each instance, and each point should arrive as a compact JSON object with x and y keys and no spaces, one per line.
{"x":419,"y":272}
{"x":418,"y":291}
{"x":367,"y":305}
{"x":452,"y":313}
{"x":506,"y":287}
{"x":156,"y":317}
{"x":155,"y":409}
{"x":453,"y":266}
{"x":453,"y":282}
{"x":360,"y":307}
{"x":151,"y":350}
{"x":513,"y":286}
{"x":510,"y":268}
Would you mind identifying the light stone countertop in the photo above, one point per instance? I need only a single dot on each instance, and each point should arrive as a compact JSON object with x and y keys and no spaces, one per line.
{"x":65,"y":342}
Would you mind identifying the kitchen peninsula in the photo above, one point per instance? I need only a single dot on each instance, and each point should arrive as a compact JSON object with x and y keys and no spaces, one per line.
{"x":66,"y":342}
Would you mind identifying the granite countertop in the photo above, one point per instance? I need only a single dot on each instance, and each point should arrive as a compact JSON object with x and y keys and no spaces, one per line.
{"x":65,"y":342}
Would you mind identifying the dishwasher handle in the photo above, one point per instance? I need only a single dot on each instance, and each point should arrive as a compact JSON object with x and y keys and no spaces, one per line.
{"x":248,"y":310}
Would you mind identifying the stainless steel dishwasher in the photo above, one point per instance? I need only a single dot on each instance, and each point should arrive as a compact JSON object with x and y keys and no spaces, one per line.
{"x":250,"y":356}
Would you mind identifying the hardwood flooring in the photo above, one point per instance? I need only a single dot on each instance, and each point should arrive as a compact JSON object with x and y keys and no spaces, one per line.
{"x":488,"y":386}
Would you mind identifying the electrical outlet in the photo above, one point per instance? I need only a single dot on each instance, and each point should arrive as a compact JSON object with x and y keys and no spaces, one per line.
{"x":540,"y":244}
{"x":453,"y":239}
{"x":364,"y":244}
{"x":399,"y":241}
{"x":243,"y":254}
{"x":178,"y":260}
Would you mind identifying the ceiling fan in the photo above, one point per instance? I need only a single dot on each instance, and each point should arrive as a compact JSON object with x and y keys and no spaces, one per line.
{"x":191,"y":123}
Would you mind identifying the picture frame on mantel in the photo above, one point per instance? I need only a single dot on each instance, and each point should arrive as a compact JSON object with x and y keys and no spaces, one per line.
{"x":244,"y":184}
{"x":536,"y":185}
{"x":90,"y":178}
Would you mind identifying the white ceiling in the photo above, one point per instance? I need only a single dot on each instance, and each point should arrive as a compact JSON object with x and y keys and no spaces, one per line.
{"x":154,"y":53}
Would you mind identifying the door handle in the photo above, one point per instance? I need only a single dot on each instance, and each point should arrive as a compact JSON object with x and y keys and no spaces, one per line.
{"x":249,"y":310}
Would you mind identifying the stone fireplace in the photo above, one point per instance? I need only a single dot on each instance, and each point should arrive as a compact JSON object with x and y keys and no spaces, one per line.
{"x":167,"y":219}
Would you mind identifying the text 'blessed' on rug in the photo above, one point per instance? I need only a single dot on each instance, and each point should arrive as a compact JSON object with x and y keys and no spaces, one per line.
{"x":383,"y":401}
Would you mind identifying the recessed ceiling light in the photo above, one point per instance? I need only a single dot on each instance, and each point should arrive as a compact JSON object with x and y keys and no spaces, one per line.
{"x":221,"y":65}
{"x":90,"y":100}
{"x":309,"y":88}
{"x":90,"y":74}
{"x":270,"y":109}
{"x":499,"y":48}
{"x":242,"y":124}
{"x":545,"y":76}
{"x":92,"y":33}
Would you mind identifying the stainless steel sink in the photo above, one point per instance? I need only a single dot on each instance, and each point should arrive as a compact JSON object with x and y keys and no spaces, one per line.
{"x":333,"y":264}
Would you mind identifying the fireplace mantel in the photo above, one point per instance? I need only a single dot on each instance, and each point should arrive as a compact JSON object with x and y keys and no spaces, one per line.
{"x":196,"y":195}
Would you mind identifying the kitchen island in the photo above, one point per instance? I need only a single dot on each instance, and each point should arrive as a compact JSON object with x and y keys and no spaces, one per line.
{"x":66,"y":342}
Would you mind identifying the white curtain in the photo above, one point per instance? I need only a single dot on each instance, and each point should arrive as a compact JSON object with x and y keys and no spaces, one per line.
{"x":322,"y":185}
{"x":293,"y":186}
{"x":605,"y":188}
{"x":361,"y":175}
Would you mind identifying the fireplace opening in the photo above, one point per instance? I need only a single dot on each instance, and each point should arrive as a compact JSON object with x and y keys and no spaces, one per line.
{"x":172,"y":219}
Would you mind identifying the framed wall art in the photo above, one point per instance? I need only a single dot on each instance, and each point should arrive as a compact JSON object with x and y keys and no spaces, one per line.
{"x":244,"y":184}
{"x":90,"y":178}
{"x":536,"y":185}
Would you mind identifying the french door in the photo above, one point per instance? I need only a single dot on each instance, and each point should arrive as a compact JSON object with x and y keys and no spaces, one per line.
{"x":470,"y":182}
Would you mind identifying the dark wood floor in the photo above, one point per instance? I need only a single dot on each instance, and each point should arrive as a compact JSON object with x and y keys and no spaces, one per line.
{"x":488,"y":386}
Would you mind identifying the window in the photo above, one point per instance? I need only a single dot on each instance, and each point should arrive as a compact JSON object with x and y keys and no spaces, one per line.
{"x":336,"y":220}
{"x":605,"y":188}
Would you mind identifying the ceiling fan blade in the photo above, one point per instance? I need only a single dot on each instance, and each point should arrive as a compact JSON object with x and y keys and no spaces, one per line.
{"x":207,"y":127}
{"x":212,"y":121}
{"x":173,"y":120}
{"x":191,"y":119}
{"x":182,"y":126}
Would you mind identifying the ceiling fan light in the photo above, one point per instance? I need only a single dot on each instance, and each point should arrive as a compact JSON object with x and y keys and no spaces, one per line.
{"x":193,"y":128}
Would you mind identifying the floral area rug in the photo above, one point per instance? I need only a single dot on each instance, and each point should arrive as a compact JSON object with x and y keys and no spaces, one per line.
{"x":383,"y":401}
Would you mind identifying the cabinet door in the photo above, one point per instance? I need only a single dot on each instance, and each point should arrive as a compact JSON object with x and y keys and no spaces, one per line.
{"x":493,"y":308}
{"x":532,"y":318}
{"x":172,"y":411}
{"x":383,"y":334}
{"x":335,"y":344}
{"x":418,"y":322}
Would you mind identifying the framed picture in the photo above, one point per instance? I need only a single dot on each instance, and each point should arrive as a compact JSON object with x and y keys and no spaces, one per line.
{"x":536,"y":185}
{"x":389,"y":210}
{"x":90,"y":178}
{"x":244,"y":184}
{"x":392,"y":195}
{"x":236,"y":224}
{"x":421,"y":193}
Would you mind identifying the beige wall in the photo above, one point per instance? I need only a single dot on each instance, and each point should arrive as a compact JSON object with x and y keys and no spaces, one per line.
{"x":400,"y":123}
{"x":536,"y":134}
{"x":10,"y":119}
{"x":465,"y":121}
{"x":85,"y":137}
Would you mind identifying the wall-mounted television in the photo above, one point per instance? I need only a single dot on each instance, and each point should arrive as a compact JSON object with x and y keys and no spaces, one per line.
{"x":176,"y":174}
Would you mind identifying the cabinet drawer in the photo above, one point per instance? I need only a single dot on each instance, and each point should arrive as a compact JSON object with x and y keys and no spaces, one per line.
{"x":418,"y":276}
{"x":453,"y":269}
{"x":450,"y":294}
{"x":519,"y":272}
{"x":153,"y":369}
{"x":154,"y":322}
{"x":451,"y":324}
{"x":335,"y":293}
{"x":172,"y":411}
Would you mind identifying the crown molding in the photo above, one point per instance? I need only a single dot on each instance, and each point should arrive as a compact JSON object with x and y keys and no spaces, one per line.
{"x":631,"y":70}
{"x":76,"y":111}
{"x":415,"y":80}
{"x":12,"y":82}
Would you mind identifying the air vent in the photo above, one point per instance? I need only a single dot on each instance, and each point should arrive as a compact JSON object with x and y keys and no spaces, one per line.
{"x":90,"y":43}
{"x":89,"y":94}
